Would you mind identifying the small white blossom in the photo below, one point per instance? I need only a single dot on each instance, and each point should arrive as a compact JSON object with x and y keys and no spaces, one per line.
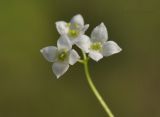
{"x":62,"y":56}
{"x":98,"y":46}
{"x":75,"y":29}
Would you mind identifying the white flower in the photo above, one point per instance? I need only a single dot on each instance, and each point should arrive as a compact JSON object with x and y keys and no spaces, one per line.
{"x":61,"y":56}
{"x":74,"y":29}
{"x":98,"y":46}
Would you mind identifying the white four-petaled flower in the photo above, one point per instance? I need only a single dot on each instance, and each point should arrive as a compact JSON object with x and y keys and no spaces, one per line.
{"x":75,"y":29}
{"x":98,"y":46}
{"x":61,"y":56}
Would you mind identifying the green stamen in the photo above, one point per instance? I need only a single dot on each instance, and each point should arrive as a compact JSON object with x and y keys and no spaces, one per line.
{"x":73,"y":33}
{"x":62,"y":56}
{"x":96,"y":46}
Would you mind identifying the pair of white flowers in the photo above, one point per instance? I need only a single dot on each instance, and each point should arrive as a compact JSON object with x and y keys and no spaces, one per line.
{"x":73,"y":33}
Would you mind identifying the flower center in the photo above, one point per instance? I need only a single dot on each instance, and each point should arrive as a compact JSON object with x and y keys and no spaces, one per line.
{"x":62,"y":56}
{"x":74,"y":30}
{"x":96,"y":46}
{"x":73,"y":33}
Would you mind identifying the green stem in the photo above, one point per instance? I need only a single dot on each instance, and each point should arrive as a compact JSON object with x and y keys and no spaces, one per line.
{"x":93,"y":88}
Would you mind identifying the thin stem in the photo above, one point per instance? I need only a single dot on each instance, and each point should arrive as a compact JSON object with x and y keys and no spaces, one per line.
{"x":93,"y":88}
{"x":81,"y":61}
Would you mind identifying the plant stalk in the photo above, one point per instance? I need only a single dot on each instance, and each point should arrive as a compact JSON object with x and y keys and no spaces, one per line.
{"x":93,"y":88}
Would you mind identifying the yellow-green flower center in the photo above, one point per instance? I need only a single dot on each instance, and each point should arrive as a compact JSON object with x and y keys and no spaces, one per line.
{"x":97,"y":46}
{"x":62,"y":56}
{"x":73,"y":33}
{"x":73,"y":30}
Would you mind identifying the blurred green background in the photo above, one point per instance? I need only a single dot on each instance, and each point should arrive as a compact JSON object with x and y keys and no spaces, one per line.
{"x":129,"y":81}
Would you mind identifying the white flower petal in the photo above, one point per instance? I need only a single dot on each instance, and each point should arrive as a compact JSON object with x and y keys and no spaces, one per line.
{"x":95,"y":55}
{"x":84,"y":28}
{"x":78,"y":19}
{"x":50,"y":53}
{"x":73,"y":40}
{"x":99,"y":33}
{"x":73,"y":57}
{"x":84,"y":43}
{"x":109,"y":48}
{"x":64,"y":43}
{"x":59,"y":68}
{"x":62,"y":27}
